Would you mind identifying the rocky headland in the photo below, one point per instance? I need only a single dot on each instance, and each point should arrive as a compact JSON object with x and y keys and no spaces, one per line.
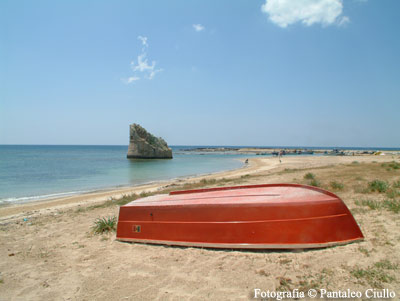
{"x":143,"y":145}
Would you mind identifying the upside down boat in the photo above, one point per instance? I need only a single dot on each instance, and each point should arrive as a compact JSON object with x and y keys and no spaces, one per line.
{"x":271,"y":216}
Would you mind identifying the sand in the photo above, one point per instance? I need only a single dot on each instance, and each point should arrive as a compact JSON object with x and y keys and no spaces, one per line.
{"x":53,"y":254}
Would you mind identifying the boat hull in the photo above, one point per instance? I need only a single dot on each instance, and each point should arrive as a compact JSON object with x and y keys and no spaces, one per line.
{"x":283,"y":216}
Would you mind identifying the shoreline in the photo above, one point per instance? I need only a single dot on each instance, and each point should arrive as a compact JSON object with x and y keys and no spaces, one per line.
{"x":32,"y":208}
{"x":58,"y":195}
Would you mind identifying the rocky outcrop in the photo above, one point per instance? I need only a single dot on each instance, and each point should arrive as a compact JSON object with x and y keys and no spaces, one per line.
{"x":143,"y":145}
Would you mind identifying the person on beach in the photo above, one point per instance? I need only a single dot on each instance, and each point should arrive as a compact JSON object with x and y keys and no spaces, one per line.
{"x":279,"y":156}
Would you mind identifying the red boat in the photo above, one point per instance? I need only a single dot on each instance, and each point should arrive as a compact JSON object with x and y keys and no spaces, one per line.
{"x":275,"y":216}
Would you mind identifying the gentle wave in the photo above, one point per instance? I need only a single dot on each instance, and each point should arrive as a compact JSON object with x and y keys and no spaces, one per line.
{"x":40,"y":197}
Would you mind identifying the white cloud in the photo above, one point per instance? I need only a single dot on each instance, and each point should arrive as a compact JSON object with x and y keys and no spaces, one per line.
{"x":308,"y":12}
{"x":198,"y":27}
{"x":142,"y":68}
{"x":343,"y":21}
{"x":132,"y":79}
{"x":144,"y":40}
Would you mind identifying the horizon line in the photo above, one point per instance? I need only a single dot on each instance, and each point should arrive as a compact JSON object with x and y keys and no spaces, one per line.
{"x":214,"y":146}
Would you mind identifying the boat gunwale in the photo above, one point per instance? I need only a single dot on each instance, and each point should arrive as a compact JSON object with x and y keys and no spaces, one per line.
{"x":160,"y":206}
{"x":240,"y":246}
{"x":158,"y":203}
{"x":202,"y":190}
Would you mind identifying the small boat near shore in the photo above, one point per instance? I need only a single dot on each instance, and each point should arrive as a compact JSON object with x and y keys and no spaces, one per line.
{"x":270,"y":216}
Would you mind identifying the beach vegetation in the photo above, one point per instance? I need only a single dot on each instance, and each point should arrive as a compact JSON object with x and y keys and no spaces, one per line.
{"x":372,"y":204}
{"x":312,"y":282}
{"x":392,"y":205}
{"x":306,"y":282}
{"x":361,"y":189}
{"x":144,"y":194}
{"x":290,"y":170}
{"x":375,"y":275}
{"x":392,"y":193}
{"x":125,"y":199}
{"x":105,"y":224}
{"x":386,"y":265}
{"x":396,"y":184}
{"x":378,"y":185}
{"x":208,"y":181}
{"x":309,"y":176}
{"x":355,"y":162}
{"x":315,"y":183}
{"x":285,"y":284}
{"x":358,"y":210}
{"x":364,"y":251}
{"x":391,"y":165}
{"x":336,"y":185}
{"x":394,"y":165}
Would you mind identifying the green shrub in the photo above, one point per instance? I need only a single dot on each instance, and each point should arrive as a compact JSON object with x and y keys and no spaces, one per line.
{"x":394,"y":165}
{"x":315,"y":183}
{"x":373,"y":205}
{"x":396,"y":184}
{"x":309,"y":176}
{"x":378,"y":185}
{"x":392,"y":205}
{"x":392,"y":193}
{"x":337,"y":185}
{"x":104,"y":224}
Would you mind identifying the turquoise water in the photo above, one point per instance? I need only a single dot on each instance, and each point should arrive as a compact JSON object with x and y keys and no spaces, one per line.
{"x":33,"y":172}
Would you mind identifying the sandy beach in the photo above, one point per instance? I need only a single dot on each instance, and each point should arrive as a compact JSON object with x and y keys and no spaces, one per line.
{"x":49,"y":251}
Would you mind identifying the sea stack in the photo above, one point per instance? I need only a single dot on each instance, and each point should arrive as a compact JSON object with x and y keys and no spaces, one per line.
{"x":143,"y":145}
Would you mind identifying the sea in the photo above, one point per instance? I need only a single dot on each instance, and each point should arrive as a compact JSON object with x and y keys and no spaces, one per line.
{"x":36,"y":172}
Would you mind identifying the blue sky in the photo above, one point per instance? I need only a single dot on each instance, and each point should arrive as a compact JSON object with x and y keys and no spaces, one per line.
{"x":306,"y":72}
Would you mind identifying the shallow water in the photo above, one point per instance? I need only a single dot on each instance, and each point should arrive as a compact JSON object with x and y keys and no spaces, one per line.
{"x":33,"y":172}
